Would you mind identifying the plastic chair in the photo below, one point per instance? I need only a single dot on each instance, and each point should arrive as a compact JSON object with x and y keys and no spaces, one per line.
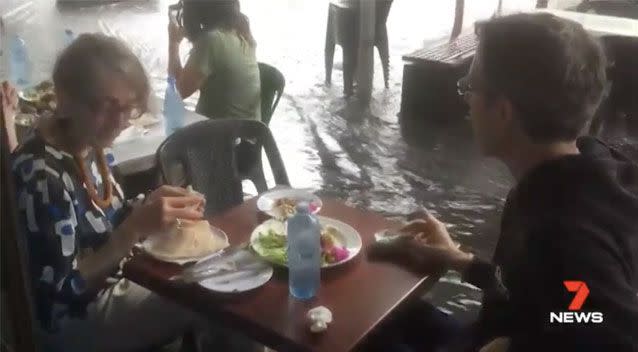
{"x":343,"y":29}
{"x":272,"y":87}
{"x":206,"y":156}
{"x":618,"y":109}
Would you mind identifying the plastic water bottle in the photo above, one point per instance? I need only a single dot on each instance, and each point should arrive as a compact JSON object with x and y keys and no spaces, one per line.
{"x":174,"y":109}
{"x":69,"y":37}
{"x":19,"y":62}
{"x":304,"y":253}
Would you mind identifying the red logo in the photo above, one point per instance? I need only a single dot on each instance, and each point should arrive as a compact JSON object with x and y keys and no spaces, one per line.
{"x":582,"y":291}
{"x":571,"y":317}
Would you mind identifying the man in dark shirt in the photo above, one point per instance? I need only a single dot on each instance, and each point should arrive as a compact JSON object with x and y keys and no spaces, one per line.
{"x":564,"y":276}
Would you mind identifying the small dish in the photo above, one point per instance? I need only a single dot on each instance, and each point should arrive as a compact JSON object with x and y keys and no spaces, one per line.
{"x":268,"y":202}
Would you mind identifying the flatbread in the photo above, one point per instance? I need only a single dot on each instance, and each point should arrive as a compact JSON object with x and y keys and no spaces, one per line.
{"x":193,"y":239}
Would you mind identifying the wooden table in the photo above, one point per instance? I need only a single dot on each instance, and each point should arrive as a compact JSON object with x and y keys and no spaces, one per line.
{"x":360,"y":294}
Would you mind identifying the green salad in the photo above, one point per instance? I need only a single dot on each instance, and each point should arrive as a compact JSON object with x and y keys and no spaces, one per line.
{"x":273,"y":247}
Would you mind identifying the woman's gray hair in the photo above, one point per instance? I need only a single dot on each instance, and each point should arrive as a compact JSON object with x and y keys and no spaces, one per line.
{"x":89,"y":61}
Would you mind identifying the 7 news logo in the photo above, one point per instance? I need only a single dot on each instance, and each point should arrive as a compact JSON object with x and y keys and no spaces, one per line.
{"x":573,"y":316}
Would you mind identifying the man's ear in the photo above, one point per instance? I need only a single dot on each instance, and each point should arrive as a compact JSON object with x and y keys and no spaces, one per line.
{"x":502,"y":120}
{"x":505,"y":111}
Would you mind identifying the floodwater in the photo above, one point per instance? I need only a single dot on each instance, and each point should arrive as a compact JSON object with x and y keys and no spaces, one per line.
{"x":327,"y":142}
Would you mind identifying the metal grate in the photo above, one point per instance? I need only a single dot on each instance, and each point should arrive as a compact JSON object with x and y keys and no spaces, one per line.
{"x":449,"y":52}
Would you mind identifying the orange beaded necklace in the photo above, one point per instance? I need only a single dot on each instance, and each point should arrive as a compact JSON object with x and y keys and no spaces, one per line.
{"x":107,"y":187}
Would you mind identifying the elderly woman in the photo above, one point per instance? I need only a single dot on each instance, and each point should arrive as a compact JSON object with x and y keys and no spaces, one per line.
{"x":78,"y":225}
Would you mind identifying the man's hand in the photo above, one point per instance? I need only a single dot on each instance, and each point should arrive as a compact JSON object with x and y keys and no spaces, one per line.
{"x":499,"y":344}
{"x":429,"y":230}
{"x":425,"y":247}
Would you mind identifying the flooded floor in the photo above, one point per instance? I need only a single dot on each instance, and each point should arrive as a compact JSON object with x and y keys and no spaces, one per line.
{"x":327,"y":142}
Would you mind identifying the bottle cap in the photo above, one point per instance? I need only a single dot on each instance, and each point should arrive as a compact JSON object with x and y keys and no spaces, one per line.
{"x":302,"y":207}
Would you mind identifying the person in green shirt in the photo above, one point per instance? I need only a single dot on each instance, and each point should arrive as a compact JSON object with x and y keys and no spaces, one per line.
{"x":222,"y":63}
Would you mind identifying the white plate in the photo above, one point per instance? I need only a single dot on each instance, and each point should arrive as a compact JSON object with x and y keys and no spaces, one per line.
{"x":348,"y":237}
{"x":267,"y":200}
{"x":239,"y":281}
{"x":147,"y":247}
{"x":132,"y":132}
{"x":30,"y":94}
{"x":146,"y":120}
{"x":31,"y":99}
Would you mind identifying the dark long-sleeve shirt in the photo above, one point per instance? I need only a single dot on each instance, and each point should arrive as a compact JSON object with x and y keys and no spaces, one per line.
{"x":569,"y":219}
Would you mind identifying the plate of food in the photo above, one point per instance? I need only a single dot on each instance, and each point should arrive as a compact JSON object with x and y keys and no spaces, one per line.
{"x":240,"y":271}
{"x":190,"y":242}
{"x":281,"y":203}
{"x":339,"y":242}
{"x":38,"y":99}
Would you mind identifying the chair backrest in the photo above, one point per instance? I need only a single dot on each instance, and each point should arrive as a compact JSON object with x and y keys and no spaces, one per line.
{"x":272,"y":87}
{"x":205,"y":156}
{"x":15,"y":277}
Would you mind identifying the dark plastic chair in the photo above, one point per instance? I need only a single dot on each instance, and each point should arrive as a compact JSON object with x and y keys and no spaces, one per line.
{"x":272,"y":87}
{"x":618,"y":110}
{"x":206,"y":156}
{"x":343,"y":30}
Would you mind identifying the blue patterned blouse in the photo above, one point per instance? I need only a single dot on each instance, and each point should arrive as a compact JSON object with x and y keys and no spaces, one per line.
{"x":61,"y":223}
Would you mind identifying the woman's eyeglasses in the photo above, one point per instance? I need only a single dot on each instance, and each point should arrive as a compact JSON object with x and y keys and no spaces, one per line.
{"x":112,"y":107}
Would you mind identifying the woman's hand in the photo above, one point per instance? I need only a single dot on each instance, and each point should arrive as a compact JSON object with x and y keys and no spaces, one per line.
{"x":175,"y":33}
{"x":160,"y":214}
{"x":150,"y":218}
{"x":425,"y":247}
{"x":172,"y":191}
{"x":9,"y":101}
